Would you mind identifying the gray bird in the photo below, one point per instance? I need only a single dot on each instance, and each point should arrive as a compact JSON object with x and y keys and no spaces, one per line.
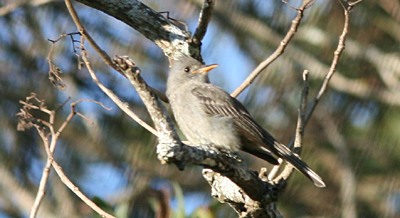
{"x":206,"y":114}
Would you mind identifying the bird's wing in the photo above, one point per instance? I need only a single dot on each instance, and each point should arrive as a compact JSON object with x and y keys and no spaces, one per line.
{"x":217,"y":102}
{"x":255,"y":139}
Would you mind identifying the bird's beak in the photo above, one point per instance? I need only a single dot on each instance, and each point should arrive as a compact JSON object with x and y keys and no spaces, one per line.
{"x":205,"y":69}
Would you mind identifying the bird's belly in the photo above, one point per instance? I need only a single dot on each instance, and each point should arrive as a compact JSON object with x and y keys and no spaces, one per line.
{"x":200,"y":128}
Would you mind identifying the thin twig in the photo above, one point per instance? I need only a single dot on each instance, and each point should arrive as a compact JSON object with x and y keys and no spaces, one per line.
{"x":46,"y":169}
{"x":301,"y":117}
{"x":54,"y":71}
{"x":337,"y":53}
{"x":83,"y":116}
{"x":84,"y":33}
{"x":204,"y":19}
{"x":65,"y":179}
{"x":123,"y":106}
{"x":332,"y":69}
{"x":309,"y":4}
{"x":106,"y":58}
{"x":54,"y":138}
{"x":298,"y":142}
{"x":355,"y":2}
{"x":43,"y":181}
{"x":277,"y":52}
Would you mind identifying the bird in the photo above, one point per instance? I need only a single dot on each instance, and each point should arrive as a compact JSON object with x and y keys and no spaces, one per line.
{"x":207,"y":114}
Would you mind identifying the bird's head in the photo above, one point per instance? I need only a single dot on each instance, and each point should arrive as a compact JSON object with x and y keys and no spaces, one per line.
{"x":187,"y":69}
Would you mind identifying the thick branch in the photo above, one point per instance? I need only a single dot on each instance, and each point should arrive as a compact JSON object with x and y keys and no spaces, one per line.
{"x":148,"y":22}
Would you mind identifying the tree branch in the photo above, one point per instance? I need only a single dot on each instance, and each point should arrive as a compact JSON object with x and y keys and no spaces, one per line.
{"x":298,"y":141}
{"x":27,"y":120}
{"x":204,"y":19}
{"x":68,"y":182}
{"x":123,"y":106}
{"x":148,"y":22}
{"x":277,"y":52}
{"x":335,"y":61}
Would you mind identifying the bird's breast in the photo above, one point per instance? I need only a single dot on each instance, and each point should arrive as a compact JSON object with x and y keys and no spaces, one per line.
{"x":201,"y":128}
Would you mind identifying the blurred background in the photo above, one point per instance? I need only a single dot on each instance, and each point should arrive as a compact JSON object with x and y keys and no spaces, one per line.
{"x":352,"y":140}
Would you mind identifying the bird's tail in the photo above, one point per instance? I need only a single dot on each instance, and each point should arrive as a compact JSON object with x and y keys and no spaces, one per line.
{"x":285,"y":153}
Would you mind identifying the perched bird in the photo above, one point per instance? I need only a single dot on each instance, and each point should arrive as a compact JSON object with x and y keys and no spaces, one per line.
{"x":206,"y":114}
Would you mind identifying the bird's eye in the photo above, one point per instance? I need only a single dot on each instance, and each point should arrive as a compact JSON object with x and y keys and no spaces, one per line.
{"x":187,"y":69}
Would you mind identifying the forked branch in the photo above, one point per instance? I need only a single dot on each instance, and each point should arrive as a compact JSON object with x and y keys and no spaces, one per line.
{"x":50,"y":135}
{"x":278,"y":52}
{"x":324,"y":86}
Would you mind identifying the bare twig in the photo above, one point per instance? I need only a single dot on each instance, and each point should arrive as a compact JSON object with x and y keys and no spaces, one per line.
{"x":298,"y":142}
{"x":91,"y":100}
{"x":106,"y":58}
{"x":49,"y":145}
{"x":43,"y":180}
{"x":84,"y":33}
{"x":332,"y":69}
{"x":46,"y":170}
{"x":109,"y":62}
{"x":352,"y":86}
{"x":337,"y":53}
{"x":301,"y":118}
{"x":64,"y":178}
{"x":309,"y":4}
{"x":352,"y":4}
{"x":54,"y":71}
{"x":123,"y":106}
{"x":277,"y":52}
{"x":204,"y":19}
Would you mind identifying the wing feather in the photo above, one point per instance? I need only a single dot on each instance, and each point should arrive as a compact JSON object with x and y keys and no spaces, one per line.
{"x":217,"y":102}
